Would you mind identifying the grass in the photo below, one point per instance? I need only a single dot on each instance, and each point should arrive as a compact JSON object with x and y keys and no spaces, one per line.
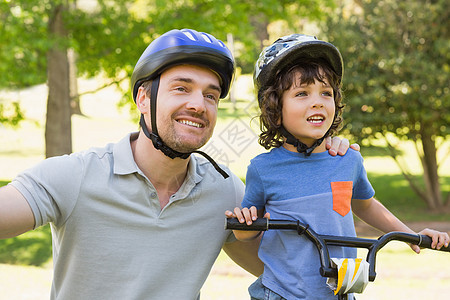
{"x":401,"y":275}
{"x":394,"y":192}
{"x":33,"y":248}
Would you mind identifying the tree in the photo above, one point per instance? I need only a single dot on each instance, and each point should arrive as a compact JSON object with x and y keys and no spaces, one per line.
{"x":58,"y":128}
{"x":396,"y":79}
{"x":18,"y":63}
{"x":247,"y":20}
{"x":34,"y":41}
{"x":108,"y":35}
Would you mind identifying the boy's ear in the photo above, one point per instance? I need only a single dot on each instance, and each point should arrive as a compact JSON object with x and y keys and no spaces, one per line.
{"x":142,"y":100}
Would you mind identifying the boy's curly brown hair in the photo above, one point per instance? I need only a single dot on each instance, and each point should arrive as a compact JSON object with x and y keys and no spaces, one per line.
{"x":270,"y":97}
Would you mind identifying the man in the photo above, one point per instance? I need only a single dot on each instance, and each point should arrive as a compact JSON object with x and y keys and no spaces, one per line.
{"x":143,"y":218}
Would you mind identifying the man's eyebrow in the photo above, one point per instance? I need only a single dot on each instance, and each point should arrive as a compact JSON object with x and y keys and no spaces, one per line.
{"x":189,"y":80}
{"x":215,"y":87}
{"x":183,"y":79}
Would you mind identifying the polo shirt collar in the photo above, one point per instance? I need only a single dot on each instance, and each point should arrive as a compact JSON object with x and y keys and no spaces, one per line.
{"x":124,"y":161}
{"x":123,"y":156}
{"x":193,"y":170}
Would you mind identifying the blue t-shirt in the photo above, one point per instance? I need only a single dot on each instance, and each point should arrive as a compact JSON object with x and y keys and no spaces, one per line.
{"x":316,"y":190}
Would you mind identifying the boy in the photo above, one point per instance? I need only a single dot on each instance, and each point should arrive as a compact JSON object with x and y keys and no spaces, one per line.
{"x":298,"y":79}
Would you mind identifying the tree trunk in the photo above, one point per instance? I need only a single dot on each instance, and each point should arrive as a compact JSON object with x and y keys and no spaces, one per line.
{"x":430,"y":170}
{"x":260,"y":23}
{"x":73,"y":85}
{"x":58,"y":129}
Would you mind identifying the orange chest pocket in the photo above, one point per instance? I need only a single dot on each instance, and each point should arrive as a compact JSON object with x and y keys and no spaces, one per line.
{"x":342,"y":196}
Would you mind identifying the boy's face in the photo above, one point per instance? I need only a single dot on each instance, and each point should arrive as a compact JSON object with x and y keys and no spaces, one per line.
{"x":308,"y":110}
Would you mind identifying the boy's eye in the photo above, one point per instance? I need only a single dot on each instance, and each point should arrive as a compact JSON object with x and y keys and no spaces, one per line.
{"x":301,"y":94}
{"x":180,"y":89}
{"x":328,"y":94}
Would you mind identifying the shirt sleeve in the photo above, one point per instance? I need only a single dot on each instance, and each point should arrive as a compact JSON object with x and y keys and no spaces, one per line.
{"x":51,"y":188}
{"x":363,"y":188}
{"x":254,"y":189}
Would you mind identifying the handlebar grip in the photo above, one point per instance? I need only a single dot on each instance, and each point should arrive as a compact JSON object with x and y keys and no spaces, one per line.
{"x":261,"y":224}
{"x":425,"y":242}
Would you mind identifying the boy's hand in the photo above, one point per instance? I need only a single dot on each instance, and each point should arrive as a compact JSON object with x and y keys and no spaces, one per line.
{"x":339,"y":146}
{"x":243,"y":215}
{"x":438,"y":238}
{"x":247,"y":215}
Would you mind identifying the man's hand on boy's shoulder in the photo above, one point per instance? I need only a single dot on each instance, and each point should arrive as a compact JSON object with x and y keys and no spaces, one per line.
{"x":338,"y":146}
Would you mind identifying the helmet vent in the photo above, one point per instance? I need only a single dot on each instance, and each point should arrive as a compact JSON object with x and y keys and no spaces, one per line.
{"x":189,"y":35}
{"x":206,"y":38}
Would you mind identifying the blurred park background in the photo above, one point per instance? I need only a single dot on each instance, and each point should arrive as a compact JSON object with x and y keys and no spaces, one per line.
{"x":64,"y":86}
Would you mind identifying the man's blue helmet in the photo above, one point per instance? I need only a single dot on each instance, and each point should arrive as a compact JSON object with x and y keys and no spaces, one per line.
{"x":184,"y":46}
{"x":178,"y":47}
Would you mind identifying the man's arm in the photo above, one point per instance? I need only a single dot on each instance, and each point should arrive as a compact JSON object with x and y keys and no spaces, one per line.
{"x":16,"y":216}
{"x":245,"y":254}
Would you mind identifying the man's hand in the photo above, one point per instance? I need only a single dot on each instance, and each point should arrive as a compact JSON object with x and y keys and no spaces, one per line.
{"x":338,"y":146}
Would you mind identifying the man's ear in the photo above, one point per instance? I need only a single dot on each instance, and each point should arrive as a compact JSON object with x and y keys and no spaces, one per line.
{"x":142,"y":101}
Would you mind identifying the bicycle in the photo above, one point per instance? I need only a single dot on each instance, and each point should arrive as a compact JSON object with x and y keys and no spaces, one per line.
{"x":344,"y":275}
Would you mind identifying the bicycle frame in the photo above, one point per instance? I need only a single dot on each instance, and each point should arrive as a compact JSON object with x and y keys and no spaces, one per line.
{"x":323,"y":241}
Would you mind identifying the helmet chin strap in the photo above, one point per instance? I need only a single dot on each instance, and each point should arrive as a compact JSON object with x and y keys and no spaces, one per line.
{"x":158,"y":143}
{"x":301,"y":147}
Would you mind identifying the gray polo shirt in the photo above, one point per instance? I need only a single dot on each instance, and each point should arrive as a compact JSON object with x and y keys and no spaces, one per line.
{"x":111,"y":240}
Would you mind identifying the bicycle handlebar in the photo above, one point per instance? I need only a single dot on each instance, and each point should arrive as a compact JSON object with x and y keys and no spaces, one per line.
{"x":322,"y":241}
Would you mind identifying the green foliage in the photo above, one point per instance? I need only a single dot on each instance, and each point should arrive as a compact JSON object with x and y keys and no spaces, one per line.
{"x":106,"y":39}
{"x":23,"y":43}
{"x":396,"y":79}
{"x":108,"y":36}
{"x":10,"y":114}
{"x":246,"y":20}
{"x":396,"y":67}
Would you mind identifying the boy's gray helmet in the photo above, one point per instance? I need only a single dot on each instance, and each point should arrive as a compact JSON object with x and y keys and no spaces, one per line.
{"x":287,"y":51}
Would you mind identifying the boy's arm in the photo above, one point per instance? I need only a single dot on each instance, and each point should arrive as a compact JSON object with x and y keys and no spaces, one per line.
{"x":16,"y":216}
{"x":377,"y":215}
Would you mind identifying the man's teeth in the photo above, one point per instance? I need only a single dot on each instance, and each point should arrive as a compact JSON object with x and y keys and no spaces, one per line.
{"x":190,"y":123}
{"x":315,"y":119}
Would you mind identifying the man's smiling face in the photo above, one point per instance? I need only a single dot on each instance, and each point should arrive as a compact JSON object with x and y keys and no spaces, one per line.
{"x":187,"y":104}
